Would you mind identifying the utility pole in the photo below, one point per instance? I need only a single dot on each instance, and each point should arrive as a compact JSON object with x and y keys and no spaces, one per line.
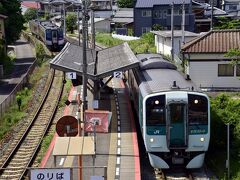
{"x":93,"y":29}
{"x":64,"y":21}
{"x":172,"y":28}
{"x":84,"y":49}
{"x":211,"y":14}
{"x":183,"y":23}
{"x":78,"y":24}
{"x":228,"y":150}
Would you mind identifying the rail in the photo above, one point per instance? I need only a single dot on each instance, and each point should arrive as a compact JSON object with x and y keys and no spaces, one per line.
{"x":29,"y":128}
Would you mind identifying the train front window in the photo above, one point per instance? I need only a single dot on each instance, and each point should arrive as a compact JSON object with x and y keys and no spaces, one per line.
{"x":155,"y":111}
{"x":54,"y":34}
{"x":60,"y":33}
{"x":48,"y":34}
{"x":198,"y":110}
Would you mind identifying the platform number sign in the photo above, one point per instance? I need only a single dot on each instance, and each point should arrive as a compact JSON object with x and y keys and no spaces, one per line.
{"x":118,"y":74}
{"x":71,"y":75}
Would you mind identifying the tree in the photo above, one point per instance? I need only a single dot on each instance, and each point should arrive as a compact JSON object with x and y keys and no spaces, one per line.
{"x":30,"y":14}
{"x":14,"y":22}
{"x":234,"y":54}
{"x":157,"y":27}
{"x":71,"y":22}
{"x":125,"y":3}
{"x":226,"y":23}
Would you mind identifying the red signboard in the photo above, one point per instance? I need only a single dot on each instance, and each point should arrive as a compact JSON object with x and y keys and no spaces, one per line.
{"x":100,"y":118}
{"x":67,"y":126}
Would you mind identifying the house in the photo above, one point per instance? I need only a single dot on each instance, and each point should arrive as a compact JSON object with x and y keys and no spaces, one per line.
{"x":101,"y":4}
{"x":29,"y":4}
{"x":203,"y":12}
{"x":151,"y":12}
{"x":123,"y":18}
{"x":205,"y":61}
{"x":232,"y":7}
{"x":102,"y":25}
{"x":163,"y":41}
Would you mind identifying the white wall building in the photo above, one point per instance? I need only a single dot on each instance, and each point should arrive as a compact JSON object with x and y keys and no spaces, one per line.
{"x":163,"y":41}
{"x":206,"y":63}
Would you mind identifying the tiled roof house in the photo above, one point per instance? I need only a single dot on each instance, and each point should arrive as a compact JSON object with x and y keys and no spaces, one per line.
{"x":206,"y":62}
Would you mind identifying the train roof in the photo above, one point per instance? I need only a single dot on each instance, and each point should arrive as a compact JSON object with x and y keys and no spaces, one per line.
{"x":156,"y":74}
{"x":44,"y":24}
{"x":48,"y":25}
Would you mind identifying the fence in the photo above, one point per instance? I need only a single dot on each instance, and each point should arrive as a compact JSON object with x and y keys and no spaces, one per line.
{"x":8,"y":101}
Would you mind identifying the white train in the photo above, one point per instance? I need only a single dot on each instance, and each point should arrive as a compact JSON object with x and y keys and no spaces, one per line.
{"x":49,"y":33}
{"x":174,"y":116}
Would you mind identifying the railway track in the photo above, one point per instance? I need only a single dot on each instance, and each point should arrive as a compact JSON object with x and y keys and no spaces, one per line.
{"x":25,"y":146}
{"x":181,"y":174}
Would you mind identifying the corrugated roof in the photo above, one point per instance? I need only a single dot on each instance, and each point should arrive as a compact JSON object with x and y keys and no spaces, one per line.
{"x":122,"y":20}
{"x":177,"y":33}
{"x":151,"y":3}
{"x":124,"y":13}
{"x":100,"y":64}
{"x":216,"y":41}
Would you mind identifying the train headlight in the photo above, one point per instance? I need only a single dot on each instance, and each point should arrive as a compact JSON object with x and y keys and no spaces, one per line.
{"x":202,"y":139}
{"x":156,"y":102}
{"x":196,"y":101}
{"x":151,"y":140}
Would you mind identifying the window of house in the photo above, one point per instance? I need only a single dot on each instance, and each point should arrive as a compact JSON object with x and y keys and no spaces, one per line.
{"x":232,"y":7}
{"x":146,"y":13}
{"x":177,"y":11}
{"x":225,"y":70}
{"x":146,"y":29}
{"x":157,"y":14}
{"x":238,"y":70}
{"x":164,"y":14}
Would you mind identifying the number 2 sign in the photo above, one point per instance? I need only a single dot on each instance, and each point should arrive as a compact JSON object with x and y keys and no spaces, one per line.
{"x":118,"y":74}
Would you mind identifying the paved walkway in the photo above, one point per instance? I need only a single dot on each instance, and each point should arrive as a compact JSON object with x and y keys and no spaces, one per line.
{"x":24,"y":59}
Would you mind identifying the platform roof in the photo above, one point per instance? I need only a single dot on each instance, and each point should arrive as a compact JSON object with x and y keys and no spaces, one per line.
{"x":101,"y":63}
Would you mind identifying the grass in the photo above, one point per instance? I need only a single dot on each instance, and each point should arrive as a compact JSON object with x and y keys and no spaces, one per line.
{"x":13,"y":115}
{"x":44,"y":147}
{"x":142,"y":45}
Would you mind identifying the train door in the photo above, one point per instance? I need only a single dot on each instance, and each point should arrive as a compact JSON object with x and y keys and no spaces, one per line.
{"x":54,"y":37}
{"x":177,"y":125}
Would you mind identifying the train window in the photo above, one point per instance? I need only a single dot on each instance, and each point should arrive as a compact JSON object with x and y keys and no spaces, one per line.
{"x":60,"y":33}
{"x":48,"y":34}
{"x":155,"y":111}
{"x":198,"y":109}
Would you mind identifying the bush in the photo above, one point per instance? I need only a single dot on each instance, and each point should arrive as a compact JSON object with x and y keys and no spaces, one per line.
{"x":40,"y":53}
{"x":71,"y":22}
{"x":225,"y":109}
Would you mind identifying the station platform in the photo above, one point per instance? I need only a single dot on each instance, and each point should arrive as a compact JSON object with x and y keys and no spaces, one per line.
{"x":117,"y":154}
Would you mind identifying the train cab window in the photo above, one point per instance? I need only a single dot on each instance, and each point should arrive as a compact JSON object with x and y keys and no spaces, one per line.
{"x":60,"y":33}
{"x":48,"y":34}
{"x":198,"y":110}
{"x":155,"y":111}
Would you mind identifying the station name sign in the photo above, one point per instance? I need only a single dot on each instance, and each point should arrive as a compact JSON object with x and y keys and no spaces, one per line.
{"x":49,"y":173}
